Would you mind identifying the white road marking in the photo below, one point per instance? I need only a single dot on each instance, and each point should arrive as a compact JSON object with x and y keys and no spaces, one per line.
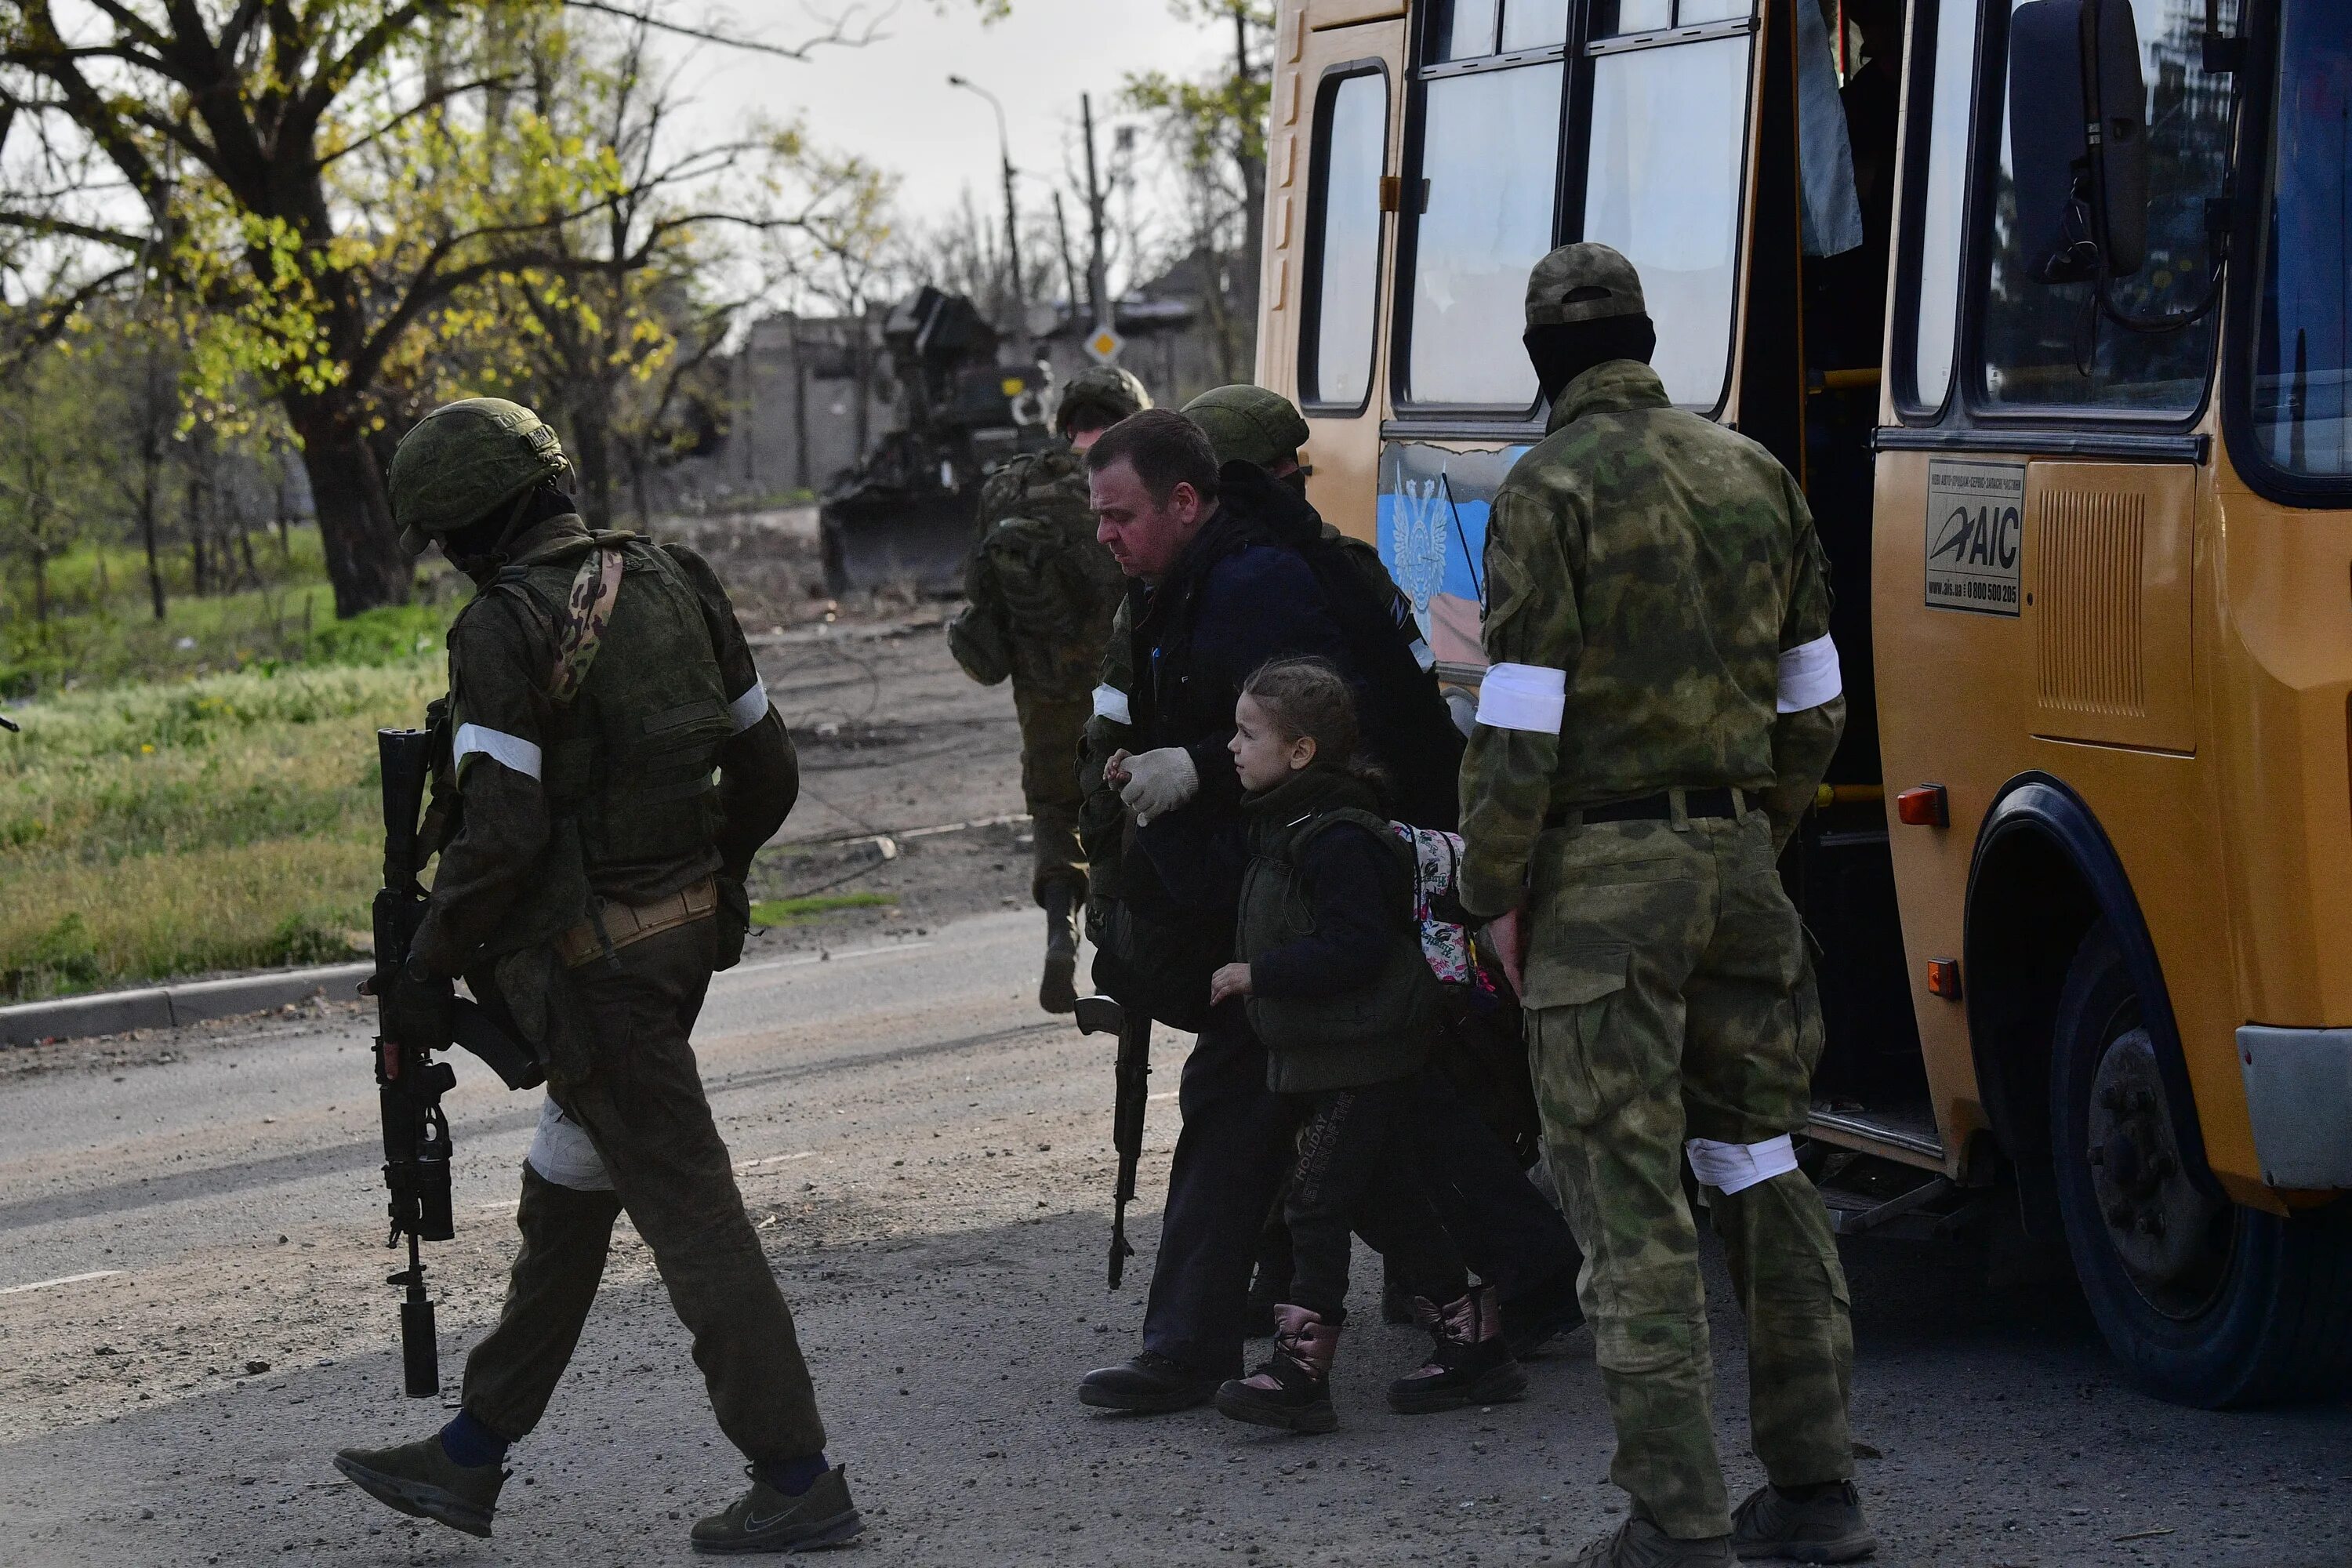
{"x":828,"y":958}
{"x":60,"y":1280}
{"x":748,"y":1166}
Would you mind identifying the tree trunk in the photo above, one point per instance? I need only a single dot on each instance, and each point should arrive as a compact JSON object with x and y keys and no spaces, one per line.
{"x":41,"y":585}
{"x":147,"y":537}
{"x":1249,"y":157}
{"x":592,"y":461}
{"x":364,"y":561}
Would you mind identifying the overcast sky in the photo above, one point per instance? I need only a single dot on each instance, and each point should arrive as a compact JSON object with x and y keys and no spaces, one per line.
{"x":890,"y":101}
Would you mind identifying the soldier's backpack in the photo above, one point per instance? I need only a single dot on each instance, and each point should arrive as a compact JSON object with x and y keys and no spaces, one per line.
{"x":1055,"y":584}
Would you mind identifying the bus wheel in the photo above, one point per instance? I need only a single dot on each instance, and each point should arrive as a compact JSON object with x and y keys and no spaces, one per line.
{"x":2206,"y":1302}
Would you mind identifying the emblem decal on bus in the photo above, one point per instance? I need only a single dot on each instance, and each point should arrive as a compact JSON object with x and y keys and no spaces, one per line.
{"x":1976,"y":535}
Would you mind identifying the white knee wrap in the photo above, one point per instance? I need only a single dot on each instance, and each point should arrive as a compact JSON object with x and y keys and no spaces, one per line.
{"x":1735,"y":1167}
{"x":560,"y":1152}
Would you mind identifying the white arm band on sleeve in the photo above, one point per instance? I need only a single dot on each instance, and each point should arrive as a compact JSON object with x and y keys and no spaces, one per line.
{"x":1527,"y":697}
{"x":1423,"y":655}
{"x":1735,"y":1167}
{"x":560,"y":1152}
{"x":1809,"y":676}
{"x":498,"y":746}
{"x":1110,"y":703}
{"x":750,"y":708}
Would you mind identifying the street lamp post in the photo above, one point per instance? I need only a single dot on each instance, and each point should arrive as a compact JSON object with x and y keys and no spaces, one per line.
{"x":1012,"y":221}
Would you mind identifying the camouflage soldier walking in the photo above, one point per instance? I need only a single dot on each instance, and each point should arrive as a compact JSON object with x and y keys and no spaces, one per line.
{"x":1662,"y":699}
{"x":593,"y":883}
{"x":1041,"y":592}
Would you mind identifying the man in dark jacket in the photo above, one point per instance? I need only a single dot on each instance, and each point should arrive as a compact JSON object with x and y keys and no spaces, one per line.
{"x":1210,"y":600}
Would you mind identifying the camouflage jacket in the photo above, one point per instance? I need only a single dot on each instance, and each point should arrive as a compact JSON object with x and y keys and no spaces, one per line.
{"x":1664,"y":564}
{"x":1039,"y":589}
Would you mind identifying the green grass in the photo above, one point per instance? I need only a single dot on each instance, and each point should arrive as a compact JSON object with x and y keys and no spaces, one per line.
{"x":226,"y":822}
{"x":102,"y":631}
{"x":801,"y":911}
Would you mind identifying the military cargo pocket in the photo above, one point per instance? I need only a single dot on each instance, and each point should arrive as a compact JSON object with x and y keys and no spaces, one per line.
{"x":1571,"y":993}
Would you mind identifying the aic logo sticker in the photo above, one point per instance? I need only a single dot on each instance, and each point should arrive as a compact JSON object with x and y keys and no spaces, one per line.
{"x":1976,"y":535}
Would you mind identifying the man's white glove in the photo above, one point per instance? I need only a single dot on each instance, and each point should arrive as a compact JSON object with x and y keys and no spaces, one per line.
{"x":1159,"y":782}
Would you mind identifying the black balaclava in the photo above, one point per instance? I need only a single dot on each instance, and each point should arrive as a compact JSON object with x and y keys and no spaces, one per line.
{"x":480,"y":548}
{"x":1562,"y":350}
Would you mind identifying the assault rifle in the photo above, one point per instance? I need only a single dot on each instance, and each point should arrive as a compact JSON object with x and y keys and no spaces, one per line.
{"x":1102,"y":1016}
{"x":409,"y":1082}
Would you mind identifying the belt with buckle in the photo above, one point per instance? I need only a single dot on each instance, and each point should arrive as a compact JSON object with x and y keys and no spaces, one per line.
{"x":626,"y":923}
{"x":1658,"y":807}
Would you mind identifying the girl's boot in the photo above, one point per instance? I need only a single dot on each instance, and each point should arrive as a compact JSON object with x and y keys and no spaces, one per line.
{"x":1292,"y":1388}
{"x":1469,"y":1363}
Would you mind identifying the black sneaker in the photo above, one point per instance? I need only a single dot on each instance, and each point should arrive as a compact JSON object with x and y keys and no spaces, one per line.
{"x":422,"y":1480}
{"x":1827,"y":1527}
{"x":1149,"y":1384}
{"x":765,"y":1519}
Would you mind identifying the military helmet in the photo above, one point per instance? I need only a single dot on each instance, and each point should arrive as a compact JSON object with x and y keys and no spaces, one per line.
{"x":1105,"y":393}
{"x":1248,"y":424}
{"x":1583,"y":282}
{"x":465,"y":460}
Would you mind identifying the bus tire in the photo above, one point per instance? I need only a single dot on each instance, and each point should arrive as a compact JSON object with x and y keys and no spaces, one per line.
{"x":2206,"y":1302}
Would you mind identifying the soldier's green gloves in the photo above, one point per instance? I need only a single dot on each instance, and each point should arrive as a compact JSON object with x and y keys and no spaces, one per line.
{"x":420,"y":1011}
{"x":1159,"y":782}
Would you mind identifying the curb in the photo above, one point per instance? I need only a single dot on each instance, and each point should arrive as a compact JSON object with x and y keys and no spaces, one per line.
{"x":171,"y":1006}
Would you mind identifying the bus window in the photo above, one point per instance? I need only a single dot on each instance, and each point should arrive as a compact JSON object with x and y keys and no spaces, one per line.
{"x":2042,"y":347}
{"x":1341,"y":298}
{"x":1947,"y":77}
{"x":1490,"y":155}
{"x":1669,"y":130}
{"x":2303,"y":342}
{"x":1469,"y":30}
{"x":1532,"y":23}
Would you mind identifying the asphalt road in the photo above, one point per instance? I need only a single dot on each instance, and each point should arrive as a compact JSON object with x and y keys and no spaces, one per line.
{"x":928,"y":1157}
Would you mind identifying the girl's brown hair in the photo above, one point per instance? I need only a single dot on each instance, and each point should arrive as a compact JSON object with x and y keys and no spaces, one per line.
{"x":1308,"y":698}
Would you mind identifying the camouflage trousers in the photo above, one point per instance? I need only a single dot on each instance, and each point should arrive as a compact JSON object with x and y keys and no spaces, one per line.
{"x":1052,"y":722}
{"x":1668,"y":998}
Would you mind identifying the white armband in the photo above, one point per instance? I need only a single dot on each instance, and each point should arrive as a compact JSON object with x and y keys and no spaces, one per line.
{"x":1735,"y":1167}
{"x":750,"y":708}
{"x":1423,"y":655}
{"x":1530,"y":696}
{"x":498,"y":746}
{"x":1809,"y":676}
{"x":1110,"y":703}
{"x":563,"y":1152}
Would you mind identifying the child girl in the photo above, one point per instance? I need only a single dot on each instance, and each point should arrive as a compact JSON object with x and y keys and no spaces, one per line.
{"x":1335,"y":984}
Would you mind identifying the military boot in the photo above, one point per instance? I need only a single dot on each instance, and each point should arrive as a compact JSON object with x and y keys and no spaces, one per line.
{"x":1057,"y":991}
{"x":1825,"y":1527}
{"x":1469,"y":1361}
{"x":766,"y":1519}
{"x":1292,"y":1388}
{"x":1638,"y":1544}
{"x":422,"y":1480}
{"x":1147,"y":1384}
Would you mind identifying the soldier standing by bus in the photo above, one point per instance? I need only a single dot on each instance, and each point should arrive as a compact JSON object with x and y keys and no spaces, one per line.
{"x":1041,"y":592}
{"x":1662,"y":699}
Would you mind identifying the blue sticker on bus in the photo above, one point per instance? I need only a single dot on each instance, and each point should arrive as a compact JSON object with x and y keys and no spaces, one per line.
{"x":1431,"y":522}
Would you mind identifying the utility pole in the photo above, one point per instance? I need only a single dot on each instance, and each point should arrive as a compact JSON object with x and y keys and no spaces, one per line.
{"x":1012,"y":218}
{"x":1069,"y":263}
{"x":1097,"y":280}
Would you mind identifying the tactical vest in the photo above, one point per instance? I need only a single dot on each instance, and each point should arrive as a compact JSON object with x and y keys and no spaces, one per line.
{"x":639,"y":713}
{"x":1058,"y":585}
{"x":1375,"y":1035}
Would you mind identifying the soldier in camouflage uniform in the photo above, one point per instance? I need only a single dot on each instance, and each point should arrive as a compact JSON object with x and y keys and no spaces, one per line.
{"x":1040,"y":593}
{"x":591,"y":882}
{"x":1662,"y":699}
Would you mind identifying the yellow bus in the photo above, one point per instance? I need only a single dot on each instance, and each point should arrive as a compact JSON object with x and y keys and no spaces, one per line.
{"x":2048,"y":304}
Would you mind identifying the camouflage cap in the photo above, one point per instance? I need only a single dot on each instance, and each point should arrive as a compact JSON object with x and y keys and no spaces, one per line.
{"x":1248,"y":424}
{"x":464,"y":460}
{"x":1103,"y":392}
{"x":1583,"y":282}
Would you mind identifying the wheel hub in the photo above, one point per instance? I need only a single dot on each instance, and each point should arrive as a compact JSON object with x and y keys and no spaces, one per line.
{"x":2159,"y":1223}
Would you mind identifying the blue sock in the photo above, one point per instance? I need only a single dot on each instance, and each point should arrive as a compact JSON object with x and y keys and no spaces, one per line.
{"x":794,"y":1476}
{"x":469,"y":1443}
